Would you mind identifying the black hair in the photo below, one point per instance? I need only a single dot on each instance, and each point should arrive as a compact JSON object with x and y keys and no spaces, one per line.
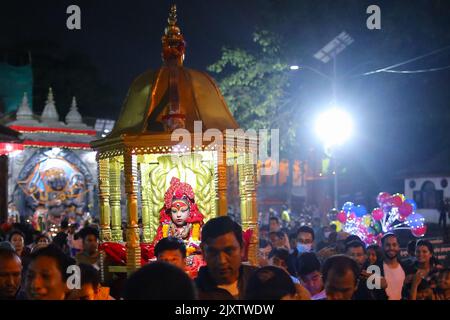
{"x":429,"y":245}
{"x":16,"y":231}
{"x":274,"y":218}
{"x":263,"y":243}
{"x":60,"y":240}
{"x":411,"y":247}
{"x":41,"y":236}
{"x":269,"y":283}
{"x":387,"y":236}
{"x":425,"y":243}
{"x":377,"y":250}
{"x":89,"y":275}
{"x":219,"y":226}
{"x":292,"y":236}
{"x":307,"y":263}
{"x":170,"y":243}
{"x":444,"y":271}
{"x":340,"y":264}
{"x":6,"y":253}
{"x":332,"y":237}
{"x":86,"y":231}
{"x":355,"y":244}
{"x":278,"y":234}
{"x":65,"y":224}
{"x":159,"y":281}
{"x":52,"y":251}
{"x":423,"y":285}
{"x":280,"y":253}
{"x":306,"y":229}
{"x":352,"y":238}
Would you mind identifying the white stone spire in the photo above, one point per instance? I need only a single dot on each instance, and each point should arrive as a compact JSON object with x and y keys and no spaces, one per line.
{"x":24,"y":112}
{"x":50,"y":115}
{"x":73,"y":117}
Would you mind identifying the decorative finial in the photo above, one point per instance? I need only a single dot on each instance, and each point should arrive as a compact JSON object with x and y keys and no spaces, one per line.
{"x":173,"y":41}
{"x":25,"y":101}
{"x":73,"y":118}
{"x":172,"y":15}
{"x":50,"y":114}
{"x":74,"y":103}
{"x":24,"y":112}
{"x":50,"y":98}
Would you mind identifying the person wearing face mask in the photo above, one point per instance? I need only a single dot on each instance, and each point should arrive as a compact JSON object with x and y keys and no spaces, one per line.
{"x":304,"y":243}
{"x":305,"y":239}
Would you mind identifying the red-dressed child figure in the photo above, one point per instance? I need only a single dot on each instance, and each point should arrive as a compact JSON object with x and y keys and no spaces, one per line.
{"x":180,"y":217}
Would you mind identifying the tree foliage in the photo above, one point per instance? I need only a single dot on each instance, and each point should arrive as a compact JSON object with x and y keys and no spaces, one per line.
{"x":254,"y":82}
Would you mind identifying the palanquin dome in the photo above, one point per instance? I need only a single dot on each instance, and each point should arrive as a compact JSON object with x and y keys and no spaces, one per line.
{"x":147,"y":102}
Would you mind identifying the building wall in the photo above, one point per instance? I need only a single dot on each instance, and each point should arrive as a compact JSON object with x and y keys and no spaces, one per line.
{"x":414,"y":186}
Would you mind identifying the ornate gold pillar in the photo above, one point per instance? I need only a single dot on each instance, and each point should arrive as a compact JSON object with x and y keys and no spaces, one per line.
{"x":242,"y":189}
{"x":252,"y":209}
{"x":103,"y":194}
{"x":133,"y":248}
{"x":213,"y":183}
{"x":249,"y":210}
{"x":114,"y":200}
{"x":145,"y":202}
{"x":221,"y":182}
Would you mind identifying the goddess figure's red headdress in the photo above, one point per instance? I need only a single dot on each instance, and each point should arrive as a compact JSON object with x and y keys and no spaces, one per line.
{"x":183,"y":191}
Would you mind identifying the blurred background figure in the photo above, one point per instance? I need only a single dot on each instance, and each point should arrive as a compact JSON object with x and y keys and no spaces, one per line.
{"x":265,"y":248}
{"x":159,"y":281}
{"x":272,"y":283}
{"x":10,"y":272}
{"x":89,"y":254}
{"x":90,"y":286}
{"x":41,"y":241}
{"x":279,"y":258}
{"x":340,"y":276}
{"x":309,"y":272}
{"x":374,"y":254}
{"x":47,"y":274}
{"x":171,"y":250}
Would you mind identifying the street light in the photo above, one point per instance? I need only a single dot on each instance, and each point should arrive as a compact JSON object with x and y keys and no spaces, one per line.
{"x":334,"y":127}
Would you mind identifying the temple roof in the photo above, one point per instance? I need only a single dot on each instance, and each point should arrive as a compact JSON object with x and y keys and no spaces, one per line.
{"x":49,"y":131}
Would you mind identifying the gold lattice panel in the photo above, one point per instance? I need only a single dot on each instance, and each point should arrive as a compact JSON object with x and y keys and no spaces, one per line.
{"x":196,"y":169}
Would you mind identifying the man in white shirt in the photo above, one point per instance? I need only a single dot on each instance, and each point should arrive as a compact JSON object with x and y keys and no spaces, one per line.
{"x":392,"y":269}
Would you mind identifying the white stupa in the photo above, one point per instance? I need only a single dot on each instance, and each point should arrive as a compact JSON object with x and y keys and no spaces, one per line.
{"x":24,"y":115}
{"x":73,"y":117}
{"x":50,"y":116}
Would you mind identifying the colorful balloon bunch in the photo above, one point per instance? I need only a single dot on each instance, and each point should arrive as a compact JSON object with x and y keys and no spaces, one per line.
{"x":395,"y":212}
{"x":352,"y":219}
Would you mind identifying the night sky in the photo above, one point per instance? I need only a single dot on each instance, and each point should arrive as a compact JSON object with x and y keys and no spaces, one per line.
{"x":402,"y":120}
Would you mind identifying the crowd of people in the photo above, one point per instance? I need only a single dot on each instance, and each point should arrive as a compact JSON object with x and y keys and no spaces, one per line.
{"x":337,"y":265}
{"x":293,"y":265}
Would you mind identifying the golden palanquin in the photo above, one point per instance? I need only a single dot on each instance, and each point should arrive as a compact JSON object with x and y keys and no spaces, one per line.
{"x":142,"y":153}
